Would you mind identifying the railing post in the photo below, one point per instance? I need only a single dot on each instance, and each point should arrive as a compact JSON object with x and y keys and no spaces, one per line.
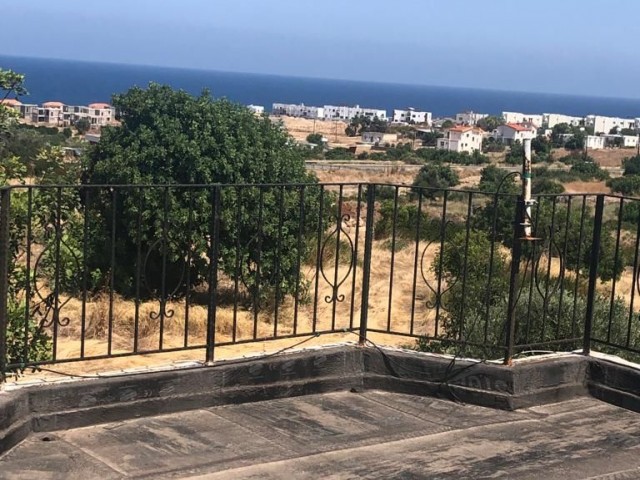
{"x":366,"y":268}
{"x":516,"y":253}
{"x":214,"y":252}
{"x":5,"y":254}
{"x":593,"y":274}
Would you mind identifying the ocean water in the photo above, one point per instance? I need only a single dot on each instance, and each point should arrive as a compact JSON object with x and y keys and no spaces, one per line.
{"x":75,"y":82}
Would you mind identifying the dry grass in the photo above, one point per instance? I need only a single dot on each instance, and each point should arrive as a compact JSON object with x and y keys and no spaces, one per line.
{"x":395,"y":174}
{"x":123,"y":315}
{"x":586,"y":187}
{"x":300,"y":128}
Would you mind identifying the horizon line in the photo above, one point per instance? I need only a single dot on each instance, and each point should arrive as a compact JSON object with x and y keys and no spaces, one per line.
{"x":304,"y":77}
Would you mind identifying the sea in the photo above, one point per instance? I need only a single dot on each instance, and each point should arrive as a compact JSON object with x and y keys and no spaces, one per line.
{"x":80,"y":83}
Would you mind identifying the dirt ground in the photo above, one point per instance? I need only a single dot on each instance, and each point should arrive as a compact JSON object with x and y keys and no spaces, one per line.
{"x":333,"y":131}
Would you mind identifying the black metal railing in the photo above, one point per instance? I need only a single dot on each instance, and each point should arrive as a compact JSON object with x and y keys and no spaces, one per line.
{"x":99,"y":271}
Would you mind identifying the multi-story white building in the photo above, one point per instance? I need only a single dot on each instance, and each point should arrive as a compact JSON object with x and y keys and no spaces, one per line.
{"x":61,"y":115}
{"x":411,"y":116}
{"x":550,"y":120}
{"x":602,"y":124}
{"x":514,"y":132}
{"x":297,"y":110}
{"x":333,"y":112}
{"x":49,"y":112}
{"x":470,"y":118}
{"x":461,"y":139}
{"x":517,"y":117}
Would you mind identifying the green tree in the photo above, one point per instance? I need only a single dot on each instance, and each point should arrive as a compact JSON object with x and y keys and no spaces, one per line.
{"x":170,"y":137}
{"x":430,"y":139}
{"x":24,"y":341}
{"x":433,"y":178}
{"x":11,"y":84}
{"x":516,"y":154}
{"x":447,"y":124}
{"x":546,"y":186}
{"x":492,"y":145}
{"x":490,"y":123}
{"x":576,"y":142}
{"x":363,"y":123}
{"x":631,"y":165}
{"x":627,"y":185}
{"x":339,"y":153}
{"x":83,"y":125}
{"x":541,"y":145}
{"x":315,"y":138}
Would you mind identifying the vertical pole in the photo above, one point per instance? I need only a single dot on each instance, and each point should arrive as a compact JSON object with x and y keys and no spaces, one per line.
{"x":516,"y":253}
{"x":5,"y":206}
{"x":214,"y":251}
{"x":366,"y":267}
{"x":593,"y":274}
{"x":526,"y":188}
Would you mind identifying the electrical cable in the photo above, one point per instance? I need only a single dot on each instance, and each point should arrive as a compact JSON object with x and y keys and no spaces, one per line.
{"x":393,"y":365}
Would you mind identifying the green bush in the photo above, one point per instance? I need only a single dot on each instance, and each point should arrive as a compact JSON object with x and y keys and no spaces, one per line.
{"x":433,"y":179}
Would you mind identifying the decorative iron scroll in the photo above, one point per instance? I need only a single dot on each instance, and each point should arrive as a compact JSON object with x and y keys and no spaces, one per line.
{"x":162,"y":244}
{"x":336,"y":284}
{"x":47,"y":307}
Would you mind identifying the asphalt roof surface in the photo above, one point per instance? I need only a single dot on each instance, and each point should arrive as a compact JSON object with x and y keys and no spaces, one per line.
{"x":344,"y":436}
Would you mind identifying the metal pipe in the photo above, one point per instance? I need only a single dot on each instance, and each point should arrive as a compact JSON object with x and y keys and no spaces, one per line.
{"x":526,"y":188}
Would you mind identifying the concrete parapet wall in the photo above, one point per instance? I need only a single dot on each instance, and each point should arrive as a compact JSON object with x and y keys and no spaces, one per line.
{"x":70,"y":404}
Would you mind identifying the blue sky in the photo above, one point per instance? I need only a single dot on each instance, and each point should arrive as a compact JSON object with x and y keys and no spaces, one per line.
{"x":562,"y":46}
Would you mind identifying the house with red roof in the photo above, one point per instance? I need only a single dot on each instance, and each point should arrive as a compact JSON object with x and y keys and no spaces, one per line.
{"x":461,"y":138}
{"x":514,"y":132}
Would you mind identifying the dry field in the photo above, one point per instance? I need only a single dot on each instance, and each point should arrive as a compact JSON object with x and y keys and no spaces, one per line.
{"x":299,"y":128}
{"x":387,"y":308}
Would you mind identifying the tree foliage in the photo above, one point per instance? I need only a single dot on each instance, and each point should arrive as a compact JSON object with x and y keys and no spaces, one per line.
{"x":490,"y":123}
{"x":363,"y":123}
{"x":83,"y":125}
{"x":170,"y":137}
{"x":433,"y":178}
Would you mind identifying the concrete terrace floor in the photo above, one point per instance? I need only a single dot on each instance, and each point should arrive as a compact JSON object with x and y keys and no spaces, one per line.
{"x":344,"y":436}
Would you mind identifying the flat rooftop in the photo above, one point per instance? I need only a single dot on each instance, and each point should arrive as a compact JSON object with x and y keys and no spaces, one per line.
{"x":371,"y":434}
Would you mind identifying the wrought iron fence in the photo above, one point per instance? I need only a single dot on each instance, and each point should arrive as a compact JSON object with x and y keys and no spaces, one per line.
{"x":100,"y":271}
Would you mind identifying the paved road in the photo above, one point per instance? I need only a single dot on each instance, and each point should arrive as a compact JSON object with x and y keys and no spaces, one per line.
{"x":345,"y":436}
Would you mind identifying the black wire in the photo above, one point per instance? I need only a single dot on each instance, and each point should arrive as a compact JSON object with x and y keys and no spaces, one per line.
{"x":450,"y":374}
{"x":391,"y":364}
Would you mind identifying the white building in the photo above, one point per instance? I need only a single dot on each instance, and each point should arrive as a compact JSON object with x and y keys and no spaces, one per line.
{"x":602,"y":124}
{"x":517,"y":117}
{"x":461,"y":139}
{"x":470,"y":118}
{"x":101,"y":114}
{"x":514,"y":132}
{"x":49,"y":113}
{"x":625,"y":141}
{"x":594,"y":142}
{"x":297,"y":110}
{"x":411,"y":116}
{"x":553,"y":119}
{"x":257,"y":109}
{"x":333,"y":112}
